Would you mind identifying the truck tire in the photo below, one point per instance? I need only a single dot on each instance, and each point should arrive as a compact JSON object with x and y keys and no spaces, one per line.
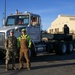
{"x":29,"y":53}
{"x":74,"y":43}
{"x":61,"y":48}
{"x":70,"y":47}
{"x":33,"y":52}
{"x":49,"y":47}
{"x":2,"y":55}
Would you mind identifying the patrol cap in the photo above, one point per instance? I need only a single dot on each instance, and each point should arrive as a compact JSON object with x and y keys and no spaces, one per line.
{"x":65,"y":25}
{"x":23,"y":30}
{"x":11,"y":31}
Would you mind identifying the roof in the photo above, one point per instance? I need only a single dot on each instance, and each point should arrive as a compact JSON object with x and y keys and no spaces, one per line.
{"x":66,"y":16}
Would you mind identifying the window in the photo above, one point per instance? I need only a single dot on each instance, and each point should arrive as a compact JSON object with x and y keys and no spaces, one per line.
{"x":51,"y":30}
{"x":35,"y":20}
{"x":11,"y":21}
{"x":56,"y":30}
{"x":26,"y":21}
{"x":17,"y":20}
{"x":23,"y":20}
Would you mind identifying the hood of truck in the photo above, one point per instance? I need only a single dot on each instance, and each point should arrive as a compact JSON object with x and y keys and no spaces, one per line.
{"x":6,"y":28}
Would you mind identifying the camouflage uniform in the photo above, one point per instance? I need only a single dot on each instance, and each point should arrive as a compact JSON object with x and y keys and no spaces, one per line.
{"x":11,"y":48}
{"x":25,"y":43}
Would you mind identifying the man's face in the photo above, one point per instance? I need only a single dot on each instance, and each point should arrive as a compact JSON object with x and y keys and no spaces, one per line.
{"x":23,"y":32}
{"x":11,"y":33}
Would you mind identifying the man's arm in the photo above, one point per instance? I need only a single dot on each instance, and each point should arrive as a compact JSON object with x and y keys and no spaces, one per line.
{"x":6,"y":43}
{"x":29,"y":41}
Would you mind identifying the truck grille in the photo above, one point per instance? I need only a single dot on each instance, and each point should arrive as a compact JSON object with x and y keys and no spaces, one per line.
{"x":2,"y":39}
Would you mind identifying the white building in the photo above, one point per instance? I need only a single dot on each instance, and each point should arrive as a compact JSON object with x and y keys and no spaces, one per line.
{"x":58,"y":24}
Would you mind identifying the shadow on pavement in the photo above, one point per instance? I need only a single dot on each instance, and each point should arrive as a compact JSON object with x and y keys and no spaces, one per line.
{"x":53,"y":57}
{"x":51,"y":66}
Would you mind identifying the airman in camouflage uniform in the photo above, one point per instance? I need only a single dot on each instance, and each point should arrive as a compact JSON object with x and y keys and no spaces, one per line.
{"x":24,"y":42}
{"x":66,"y":29}
{"x":11,"y":49}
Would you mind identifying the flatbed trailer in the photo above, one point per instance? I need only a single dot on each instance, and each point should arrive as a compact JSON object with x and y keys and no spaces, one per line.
{"x":58,"y":43}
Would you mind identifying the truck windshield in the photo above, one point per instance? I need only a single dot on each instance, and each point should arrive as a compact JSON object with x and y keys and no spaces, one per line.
{"x":17,"y":20}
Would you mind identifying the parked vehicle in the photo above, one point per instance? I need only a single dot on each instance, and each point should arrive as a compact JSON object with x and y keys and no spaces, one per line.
{"x":41,"y":40}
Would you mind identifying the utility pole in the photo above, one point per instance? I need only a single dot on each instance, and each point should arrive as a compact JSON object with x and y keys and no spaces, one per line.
{"x":5,"y":10}
{"x":4,"y":14}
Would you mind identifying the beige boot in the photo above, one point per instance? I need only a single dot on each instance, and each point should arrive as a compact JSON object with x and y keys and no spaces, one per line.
{"x":28,"y":68}
{"x":21,"y":65}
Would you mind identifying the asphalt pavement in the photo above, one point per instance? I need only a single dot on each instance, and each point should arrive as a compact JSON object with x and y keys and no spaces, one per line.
{"x":45,"y":64}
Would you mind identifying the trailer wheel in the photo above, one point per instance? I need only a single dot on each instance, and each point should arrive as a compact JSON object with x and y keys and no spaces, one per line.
{"x":70,"y":47}
{"x":61,"y":48}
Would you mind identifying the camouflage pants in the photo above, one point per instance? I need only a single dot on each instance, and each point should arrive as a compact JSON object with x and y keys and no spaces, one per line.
{"x":10,"y":54}
{"x":24,"y":53}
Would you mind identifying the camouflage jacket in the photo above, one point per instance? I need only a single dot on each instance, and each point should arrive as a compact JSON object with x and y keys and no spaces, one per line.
{"x":11,"y":43}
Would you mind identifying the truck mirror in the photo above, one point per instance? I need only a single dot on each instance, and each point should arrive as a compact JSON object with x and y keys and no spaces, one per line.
{"x":4,"y":20}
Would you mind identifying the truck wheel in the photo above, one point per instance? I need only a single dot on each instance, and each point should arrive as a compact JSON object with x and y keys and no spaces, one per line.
{"x":48,"y":47}
{"x":32,"y":49}
{"x":61,"y":48}
{"x":2,"y":55}
{"x":70,"y":47}
{"x":29,"y":53}
{"x":74,"y":43}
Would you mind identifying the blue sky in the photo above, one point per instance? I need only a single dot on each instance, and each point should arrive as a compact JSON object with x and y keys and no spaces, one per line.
{"x":47,"y":9}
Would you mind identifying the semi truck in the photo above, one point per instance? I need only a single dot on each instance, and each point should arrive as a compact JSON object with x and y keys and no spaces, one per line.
{"x":41,"y":40}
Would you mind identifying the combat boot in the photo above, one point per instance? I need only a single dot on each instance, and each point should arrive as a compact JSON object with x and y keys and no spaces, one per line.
{"x":6,"y":67}
{"x":14,"y":68}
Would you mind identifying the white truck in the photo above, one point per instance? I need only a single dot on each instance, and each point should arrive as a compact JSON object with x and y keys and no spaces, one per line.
{"x":41,"y":41}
